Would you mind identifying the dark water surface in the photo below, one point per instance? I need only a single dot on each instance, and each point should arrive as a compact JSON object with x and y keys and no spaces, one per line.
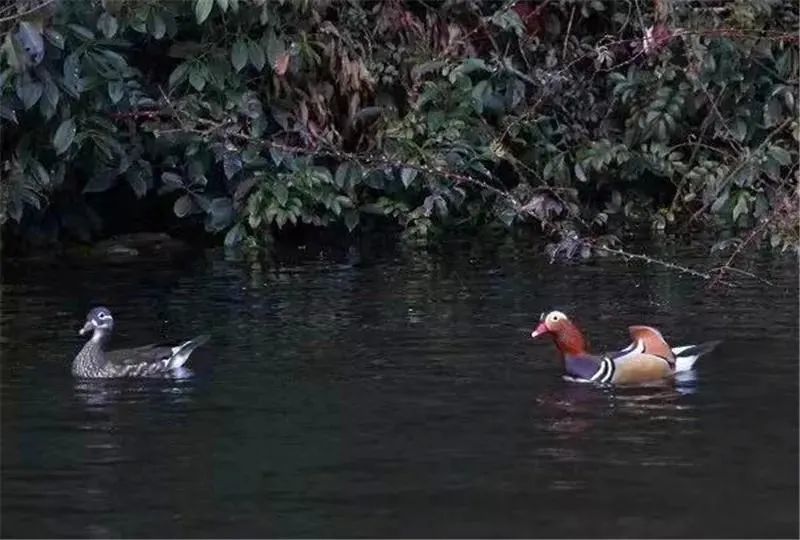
{"x":400,"y":396}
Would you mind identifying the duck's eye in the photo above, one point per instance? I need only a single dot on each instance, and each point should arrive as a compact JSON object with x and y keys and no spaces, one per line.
{"x":102,"y":315}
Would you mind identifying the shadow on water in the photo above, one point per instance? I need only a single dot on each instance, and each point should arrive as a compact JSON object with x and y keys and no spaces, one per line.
{"x":395,"y":395}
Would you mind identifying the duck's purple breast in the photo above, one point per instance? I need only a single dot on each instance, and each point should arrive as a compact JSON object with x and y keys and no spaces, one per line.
{"x":581,"y":367}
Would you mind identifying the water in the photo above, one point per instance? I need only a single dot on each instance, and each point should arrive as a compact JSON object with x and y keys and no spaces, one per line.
{"x":399,"y":396}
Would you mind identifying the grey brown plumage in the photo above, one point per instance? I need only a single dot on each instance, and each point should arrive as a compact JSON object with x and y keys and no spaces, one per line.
{"x":93,"y":361}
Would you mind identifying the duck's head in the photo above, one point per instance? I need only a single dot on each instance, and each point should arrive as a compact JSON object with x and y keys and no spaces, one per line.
{"x":98,"y":318}
{"x":566,"y":335}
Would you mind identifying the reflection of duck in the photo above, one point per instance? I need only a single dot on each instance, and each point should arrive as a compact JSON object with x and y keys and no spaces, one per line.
{"x":104,"y":395}
{"x":647,"y":359}
{"x":575,"y":408}
{"x":93,"y":362}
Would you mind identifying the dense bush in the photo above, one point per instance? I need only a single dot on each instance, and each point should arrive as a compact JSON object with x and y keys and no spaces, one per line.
{"x":253,"y":115}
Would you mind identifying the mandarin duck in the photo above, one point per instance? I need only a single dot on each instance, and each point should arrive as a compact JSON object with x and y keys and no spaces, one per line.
{"x":150,"y":360}
{"x":648,"y":358}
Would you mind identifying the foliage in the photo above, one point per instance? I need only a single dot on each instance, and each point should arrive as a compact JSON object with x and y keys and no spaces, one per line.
{"x":252,"y":116}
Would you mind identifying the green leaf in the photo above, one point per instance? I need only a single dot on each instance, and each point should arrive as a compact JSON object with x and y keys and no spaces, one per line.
{"x":238,"y":55}
{"x":220,"y":214}
{"x":116,"y":90}
{"x":8,"y":113}
{"x":183,"y":206}
{"x":202,"y":9}
{"x":275,"y":49}
{"x":468,"y":66}
{"x":277,"y":156}
{"x":280,"y":218}
{"x":507,"y":216}
{"x":82,"y":32}
{"x":108,"y":25}
{"x":64,"y":136}
{"x":351,"y":219}
{"x":780,"y":155}
{"x":720,"y":201}
{"x":29,"y":91}
{"x":178,"y":75}
{"x":156,"y":25}
{"x":40,"y":173}
{"x":256,"y":55}
{"x":171,"y":181}
{"x":51,"y":92}
{"x":72,"y":74}
{"x":197,"y":77}
{"x":55,"y":38}
{"x":322,"y":174}
{"x":739,"y":129}
{"x":281,"y":193}
{"x":580,"y":174}
{"x":138,"y":184}
{"x":234,"y":236}
{"x":407,"y":176}
{"x":223,"y":5}
{"x":231,"y":164}
{"x":347,"y":173}
{"x":57,"y":178}
{"x":480,"y":92}
{"x":741,"y":205}
{"x":772,"y":113}
{"x":116,"y":60}
{"x":761,"y":206}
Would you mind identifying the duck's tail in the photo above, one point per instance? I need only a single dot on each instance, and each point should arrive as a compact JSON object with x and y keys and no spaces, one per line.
{"x":181,"y":353}
{"x":687,"y":355}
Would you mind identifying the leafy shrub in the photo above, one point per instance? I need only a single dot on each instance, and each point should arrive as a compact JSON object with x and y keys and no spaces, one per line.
{"x":252,"y":115}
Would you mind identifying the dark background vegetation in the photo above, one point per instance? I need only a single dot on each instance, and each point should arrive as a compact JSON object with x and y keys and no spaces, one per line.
{"x":249,"y":118}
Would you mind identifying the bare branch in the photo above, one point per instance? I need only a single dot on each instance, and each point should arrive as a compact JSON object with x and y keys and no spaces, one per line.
{"x":26,"y":13}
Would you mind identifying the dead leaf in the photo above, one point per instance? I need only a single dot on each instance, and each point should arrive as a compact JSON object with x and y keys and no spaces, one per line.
{"x":282,"y":64}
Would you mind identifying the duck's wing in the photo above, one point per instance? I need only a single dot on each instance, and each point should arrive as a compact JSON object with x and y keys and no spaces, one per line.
{"x":153,"y":358}
{"x":154,"y":352}
{"x":637,"y":363}
{"x":652,"y":342}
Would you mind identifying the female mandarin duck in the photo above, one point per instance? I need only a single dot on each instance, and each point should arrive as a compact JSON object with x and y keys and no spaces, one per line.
{"x":647,"y":359}
{"x":94,"y":362}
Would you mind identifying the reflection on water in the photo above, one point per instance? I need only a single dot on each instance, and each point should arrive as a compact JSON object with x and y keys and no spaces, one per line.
{"x":399,"y":396}
{"x":103,"y":395}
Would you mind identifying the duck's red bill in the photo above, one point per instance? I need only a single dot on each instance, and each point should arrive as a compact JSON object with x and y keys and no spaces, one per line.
{"x":540,"y":331}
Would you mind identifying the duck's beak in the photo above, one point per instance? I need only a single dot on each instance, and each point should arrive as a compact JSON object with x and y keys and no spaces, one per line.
{"x":88,"y":327}
{"x":540,"y":331}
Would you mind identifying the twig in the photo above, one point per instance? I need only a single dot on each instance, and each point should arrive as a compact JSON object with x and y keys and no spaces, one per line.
{"x":755,"y":232}
{"x":566,"y":36}
{"x":649,"y":260}
{"x":26,"y":13}
{"x":716,"y":110}
{"x":738,"y":271}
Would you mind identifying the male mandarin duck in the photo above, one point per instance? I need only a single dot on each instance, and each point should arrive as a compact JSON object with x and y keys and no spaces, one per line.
{"x":647,"y":359}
